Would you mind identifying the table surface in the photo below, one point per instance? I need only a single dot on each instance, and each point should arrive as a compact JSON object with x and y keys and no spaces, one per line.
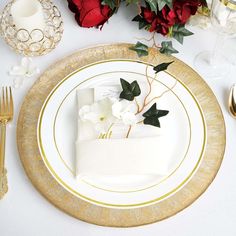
{"x":24,"y":211}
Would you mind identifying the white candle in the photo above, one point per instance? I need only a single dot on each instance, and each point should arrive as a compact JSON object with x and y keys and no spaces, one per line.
{"x":28,"y":14}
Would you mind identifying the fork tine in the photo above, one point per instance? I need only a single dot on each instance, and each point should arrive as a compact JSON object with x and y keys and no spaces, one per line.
{"x":11,"y":102}
{"x":7,"y":100}
{"x":3,"y":100}
{"x":6,"y":104}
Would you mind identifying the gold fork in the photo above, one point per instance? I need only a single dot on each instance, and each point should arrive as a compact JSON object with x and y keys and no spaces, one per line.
{"x":6,"y":115}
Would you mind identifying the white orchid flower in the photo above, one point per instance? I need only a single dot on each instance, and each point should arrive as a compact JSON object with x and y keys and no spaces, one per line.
{"x":125,"y":111}
{"x":25,"y":69}
{"x":99,"y":113}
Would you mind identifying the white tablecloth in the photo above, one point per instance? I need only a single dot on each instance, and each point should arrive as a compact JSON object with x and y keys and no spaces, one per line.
{"x":25,"y":212}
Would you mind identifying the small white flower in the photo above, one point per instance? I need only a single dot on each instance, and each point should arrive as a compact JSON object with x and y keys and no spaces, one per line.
{"x":129,"y":118}
{"x":125,"y":111}
{"x":18,"y":82}
{"x":99,"y":113}
{"x":25,"y":69}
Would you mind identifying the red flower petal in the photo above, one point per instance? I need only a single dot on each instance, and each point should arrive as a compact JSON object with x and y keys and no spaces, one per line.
{"x":171,"y":15}
{"x":153,"y":26}
{"x":184,"y":9}
{"x":148,"y":15}
{"x":185,"y":14}
{"x":72,"y":6}
{"x":77,"y":18}
{"x":88,"y":5}
{"x":78,"y":3}
{"x":93,"y":18}
{"x":106,"y":11}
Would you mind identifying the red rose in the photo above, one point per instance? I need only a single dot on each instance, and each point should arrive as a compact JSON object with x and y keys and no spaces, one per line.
{"x":166,"y":19}
{"x":148,"y":15}
{"x":185,"y":8}
{"x":90,"y":13}
{"x":160,"y":22}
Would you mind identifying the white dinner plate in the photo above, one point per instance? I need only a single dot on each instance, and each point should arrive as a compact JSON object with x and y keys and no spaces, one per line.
{"x":184,"y":134}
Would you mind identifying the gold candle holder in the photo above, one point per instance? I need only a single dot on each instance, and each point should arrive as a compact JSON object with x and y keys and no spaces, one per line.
{"x":37,"y":42}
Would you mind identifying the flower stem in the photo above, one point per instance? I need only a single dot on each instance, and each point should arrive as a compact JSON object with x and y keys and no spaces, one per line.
{"x":140,"y":122}
{"x":137,"y":104}
{"x":149,"y":91}
{"x":163,"y":93}
{"x":154,"y":42}
{"x":146,"y":103}
{"x":139,"y":7}
{"x":128,"y":133}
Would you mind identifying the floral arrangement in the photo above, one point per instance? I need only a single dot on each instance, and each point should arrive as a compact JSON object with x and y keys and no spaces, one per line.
{"x":125,"y":108}
{"x":166,"y":17}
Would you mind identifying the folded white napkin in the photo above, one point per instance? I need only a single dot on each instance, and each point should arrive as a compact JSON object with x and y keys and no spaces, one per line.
{"x":118,"y":156}
{"x":131,"y":156}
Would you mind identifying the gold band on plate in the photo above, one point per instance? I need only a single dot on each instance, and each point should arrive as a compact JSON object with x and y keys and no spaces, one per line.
{"x":109,"y":190}
{"x":107,"y":216}
{"x":93,"y":200}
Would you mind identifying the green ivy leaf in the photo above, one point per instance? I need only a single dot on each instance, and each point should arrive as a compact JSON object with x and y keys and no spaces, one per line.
{"x":179,"y":32}
{"x":153,"y":5}
{"x":130,"y":91}
{"x":111,"y":3}
{"x":162,"y":3}
{"x":161,"y":67}
{"x":132,"y":1}
{"x":140,"y":48}
{"x":152,"y":116}
{"x":167,"y":48}
{"x":142,"y":22}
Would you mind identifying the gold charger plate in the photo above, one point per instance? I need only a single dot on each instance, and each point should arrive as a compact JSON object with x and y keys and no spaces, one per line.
{"x":83,"y":210}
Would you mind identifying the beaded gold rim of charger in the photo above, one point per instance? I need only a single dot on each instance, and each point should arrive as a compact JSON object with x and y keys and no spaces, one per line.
{"x":37,"y":42}
{"x":107,"y":216}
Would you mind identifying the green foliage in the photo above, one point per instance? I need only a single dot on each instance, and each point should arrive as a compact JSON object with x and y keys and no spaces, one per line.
{"x":142,"y":22}
{"x":161,"y":67}
{"x":157,"y":5}
{"x":167,"y":48}
{"x":152,"y":116}
{"x":179,"y":32}
{"x":132,"y":2}
{"x":162,"y":3}
{"x":140,"y":48}
{"x":130,"y":91}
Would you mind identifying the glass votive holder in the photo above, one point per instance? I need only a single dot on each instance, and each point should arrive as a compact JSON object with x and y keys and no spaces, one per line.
{"x":29,"y":41}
